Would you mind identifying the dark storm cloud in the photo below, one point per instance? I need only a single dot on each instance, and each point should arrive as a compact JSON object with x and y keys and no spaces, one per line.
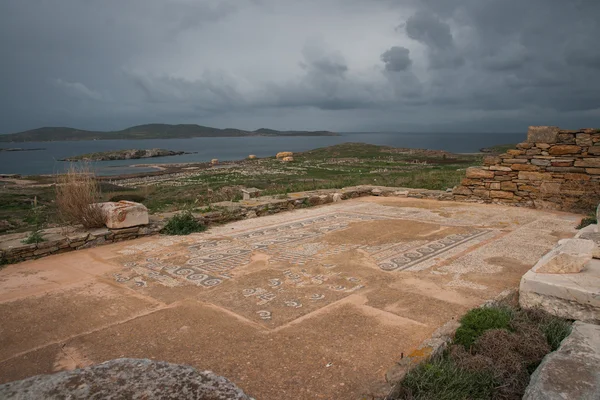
{"x":396,"y":59}
{"x":327,"y":64}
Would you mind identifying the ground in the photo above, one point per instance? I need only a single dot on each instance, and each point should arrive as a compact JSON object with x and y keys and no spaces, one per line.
{"x":312,"y":304}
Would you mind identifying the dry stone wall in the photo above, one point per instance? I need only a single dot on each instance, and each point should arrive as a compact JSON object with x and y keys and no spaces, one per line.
{"x":554,"y":169}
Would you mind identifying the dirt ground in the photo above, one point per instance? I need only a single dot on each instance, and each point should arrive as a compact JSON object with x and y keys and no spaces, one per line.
{"x":312,"y":304}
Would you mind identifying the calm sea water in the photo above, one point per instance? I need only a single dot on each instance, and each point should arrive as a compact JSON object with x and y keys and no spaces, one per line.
{"x":45,"y":161}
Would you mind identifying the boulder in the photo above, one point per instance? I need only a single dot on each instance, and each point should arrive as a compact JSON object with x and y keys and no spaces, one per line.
{"x":569,"y":257}
{"x":124,"y":214}
{"x":288,"y":159}
{"x":251,"y":157}
{"x":283,"y":154}
{"x":479,"y":173}
{"x":337,"y":197}
{"x":542,"y":134}
{"x":214,"y":161}
{"x":126,"y":378}
{"x":572,"y":371}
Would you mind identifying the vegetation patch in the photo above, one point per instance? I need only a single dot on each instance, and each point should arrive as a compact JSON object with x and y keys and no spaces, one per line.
{"x":589,"y":220}
{"x":503,"y":347}
{"x":183,"y":223}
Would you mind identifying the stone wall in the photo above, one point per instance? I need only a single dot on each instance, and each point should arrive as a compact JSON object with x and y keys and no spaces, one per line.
{"x":65,"y":239}
{"x":554,"y":169}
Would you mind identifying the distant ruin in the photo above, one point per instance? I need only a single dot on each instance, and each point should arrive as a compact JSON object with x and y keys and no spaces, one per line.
{"x":554,"y":169}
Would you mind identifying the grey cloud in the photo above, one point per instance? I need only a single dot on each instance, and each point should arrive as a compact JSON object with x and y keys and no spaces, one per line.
{"x":397,"y":59}
{"x":429,"y":29}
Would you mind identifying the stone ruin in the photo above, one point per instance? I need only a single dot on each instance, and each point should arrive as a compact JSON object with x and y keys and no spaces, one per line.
{"x":554,"y":169}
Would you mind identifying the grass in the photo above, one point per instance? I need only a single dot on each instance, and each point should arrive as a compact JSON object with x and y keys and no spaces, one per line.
{"x":77,"y":191}
{"x":492,"y":357}
{"x":34,"y":238}
{"x":589,"y":220}
{"x":478,"y":320}
{"x":183,"y":223}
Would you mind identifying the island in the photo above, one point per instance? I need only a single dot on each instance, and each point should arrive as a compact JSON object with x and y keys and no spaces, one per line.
{"x":148,"y":131}
{"x":19,"y":149}
{"x":132,"y":154}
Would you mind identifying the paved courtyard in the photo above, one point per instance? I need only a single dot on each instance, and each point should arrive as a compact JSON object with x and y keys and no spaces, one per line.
{"x":311,"y":304}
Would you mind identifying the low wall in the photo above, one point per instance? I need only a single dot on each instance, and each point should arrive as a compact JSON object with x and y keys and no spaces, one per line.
{"x":65,"y":239}
{"x":554,"y":169}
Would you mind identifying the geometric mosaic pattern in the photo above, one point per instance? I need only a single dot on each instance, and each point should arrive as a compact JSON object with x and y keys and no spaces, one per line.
{"x":208,"y":262}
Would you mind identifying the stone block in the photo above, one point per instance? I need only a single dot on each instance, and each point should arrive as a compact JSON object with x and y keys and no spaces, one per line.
{"x":595,"y":150}
{"x":571,"y":372}
{"x":593,"y":171}
{"x":533,"y":151}
{"x":508,"y":186}
{"x":500,"y":194}
{"x":462,"y":191}
{"x":583,"y":139}
{"x":500,"y":168}
{"x":577,"y":177}
{"x":337,"y":197}
{"x":491,"y":160}
{"x":562,"y":149}
{"x":481,"y":193}
{"x":571,"y":296}
{"x":569,"y":257}
{"x":543,"y":146}
{"x":495,"y":185}
{"x":475,"y":172}
{"x":124,"y":214}
{"x":565,"y":169}
{"x":513,"y":152}
{"x":550,"y":187}
{"x":540,"y":163}
{"x":534,"y":176}
{"x":524,"y":167}
{"x":542,"y":134}
{"x":524,"y":145}
{"x":588,"y":163}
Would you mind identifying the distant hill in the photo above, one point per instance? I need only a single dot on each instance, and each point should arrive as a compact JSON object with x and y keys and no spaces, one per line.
{"x":148,"y":131}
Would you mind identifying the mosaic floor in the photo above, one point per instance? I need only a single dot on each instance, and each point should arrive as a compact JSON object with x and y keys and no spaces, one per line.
{"x":312,"y":304}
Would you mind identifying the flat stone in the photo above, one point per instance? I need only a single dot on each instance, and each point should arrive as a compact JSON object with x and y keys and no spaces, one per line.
{"x":126,"y":378}
{"x":539,"y":162}
{"x":337,"y":197}
{"x":572,"y":371}
{"x":500,"y":168}
{"x":475,"y":172}
{"x":569,"y":257}
{"x":534,"y":176}
{"x":124,"y":214}
{"x":462,"y":190}
{"x":590,"y":232}
{"x":588,"y":163}
{"x":571,"y":296}
{"x":542,"y":134}
{"x":562,"y":149}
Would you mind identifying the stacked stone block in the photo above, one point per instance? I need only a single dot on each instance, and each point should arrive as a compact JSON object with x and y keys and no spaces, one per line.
{"x":554,"y":168}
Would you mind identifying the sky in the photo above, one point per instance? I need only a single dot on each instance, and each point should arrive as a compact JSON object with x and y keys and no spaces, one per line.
{"x":341,"y":65}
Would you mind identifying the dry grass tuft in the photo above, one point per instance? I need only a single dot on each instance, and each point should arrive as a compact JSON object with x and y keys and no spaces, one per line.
{"x":76,"y":192}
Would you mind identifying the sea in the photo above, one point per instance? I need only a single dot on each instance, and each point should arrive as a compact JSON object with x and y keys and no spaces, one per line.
{"x":45,"y":161}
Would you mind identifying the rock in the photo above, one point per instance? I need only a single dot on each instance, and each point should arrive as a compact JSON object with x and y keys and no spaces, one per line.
{"x":124,"y":214}
{"x":475,"y":172}
{"x":131,"y":154}
{"x":126,"y":379}
{"x":542,"y":134}
{"x":283,"y":154}
{"x":287,"y":159}
{"x":534,"y":176}
{"x":571,"y":296}
{"x":597,"y":217}
{"x":251,"y":157}
{"x":337,"y":197}
{"x":571,"y":372}
{"x":214,"y":161}
{"x":569,"y":257}
{"x":563,"y":149}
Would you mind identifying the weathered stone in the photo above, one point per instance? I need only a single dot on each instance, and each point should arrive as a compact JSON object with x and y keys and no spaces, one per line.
{"x":126,"y":379}
{"x":533,"y":151}
{"x":571,"y":372}
{"x":534,"y":176}
{"x":376,"y":192}
{"x":337,"y":197}
{"x":569,"y":257}
{"x":583,"y":139}
{"x":543,"y":146}
{"x":508,"y":186}
{"x":562,"y":149}
{"x":514,"y":152}
{"x":500,"y":168}
{"x":475,"y":172}
{"x":500,"y":194}
{"x":462,"y":190}
{"x":542,"y":134}
{"x":550,"y":187}
{"x":593,"y":171}
{"x":524,"y":145}
{"x":588,"y":162}
{"x":543,"y":163}
{"x":495,"y":185}
{"x":595,"y":150}
{"x":481,"y":193}
{"x":566,"y":138}
{"x":287,"y":159}
{"x":524,"y":167}
{"x":577,"y":177}
{"x":46,"y":250}
{"x":565,"y":169}
{"x":492,"y":160}
{"x":124,"y":214}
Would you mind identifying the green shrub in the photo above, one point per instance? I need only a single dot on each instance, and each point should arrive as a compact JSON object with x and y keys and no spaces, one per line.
{"x":556,"y":330}
{"x":183,"y":223}
{"x":443,"y":380}
{"x":478,"y":320}
{"x":589,"y":220}
{"x":33,"y":238}
{"x":128,"y":197}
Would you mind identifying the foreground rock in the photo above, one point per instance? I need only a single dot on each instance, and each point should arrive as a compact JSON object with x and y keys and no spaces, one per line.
{"x":132,"y":154}
{"x":124,"y":214}
{"x":126,"y":378}
{"x":569,"y":257}
{"x":571,"y":372}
